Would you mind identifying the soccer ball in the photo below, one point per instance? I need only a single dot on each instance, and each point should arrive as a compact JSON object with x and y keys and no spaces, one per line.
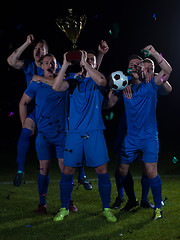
{"x":118,"y":80}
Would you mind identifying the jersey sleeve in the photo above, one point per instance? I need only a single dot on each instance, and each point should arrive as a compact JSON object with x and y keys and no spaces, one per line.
{"x":27,"y":65}
{"x":31,"y":89}
{"x":58,"y":68}
{"x":155,"y":86}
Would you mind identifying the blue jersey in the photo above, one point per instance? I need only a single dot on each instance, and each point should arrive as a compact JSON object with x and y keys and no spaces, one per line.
{"x":86,"y":99}
{"x":141,"y":110}
{"x":30,"y":69}
{"x":50,"y":108}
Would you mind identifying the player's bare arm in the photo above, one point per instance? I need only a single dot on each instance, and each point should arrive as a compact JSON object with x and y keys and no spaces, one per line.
{"x":59,"y":83}
{"x":166,"y":69}
{"x":13,"y":59}
{"x":165,"y":88}
{"x":103,"y":48}
{"x":46,"y":80}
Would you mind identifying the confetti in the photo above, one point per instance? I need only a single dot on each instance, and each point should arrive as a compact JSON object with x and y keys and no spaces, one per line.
{"x":130,"y":71}
{"x":154,"y":16}
{"x":10,"y":114}
{"x":110,"y":117}
{"x":175,"y":160}
{"x":146,"y":52}
{"x":28,"y":226}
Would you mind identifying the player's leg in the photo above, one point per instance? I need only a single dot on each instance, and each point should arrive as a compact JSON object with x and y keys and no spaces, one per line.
{"x":119,"y":186}
{"x":66,"y":188}
{"x":44,"y":154}
{"x":128,"y":185}
{"x":59,"y":145}
{"x":43,"y":182}
{"x":156,"y":187}
{"x":96,"y":155}
{"x":104,"y":186}
{"x":23,"y":147}
{"x":145,"y":203}
{"x":150,"y":159}
{"x":73,"y":155}
{"x":71,"y":207}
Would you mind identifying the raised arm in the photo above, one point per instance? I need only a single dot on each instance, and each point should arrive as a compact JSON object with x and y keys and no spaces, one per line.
{"x":59,"y":83}
{"x":165,"y":88}
{"x":92,"y":72}
{"x":23,"y":107}
{"x":103,"y":48}
{"x":13,"y":59}
{"x":166,"y":69}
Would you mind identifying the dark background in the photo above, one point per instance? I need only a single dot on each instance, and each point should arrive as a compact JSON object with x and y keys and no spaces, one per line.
{"x":133,"y":25}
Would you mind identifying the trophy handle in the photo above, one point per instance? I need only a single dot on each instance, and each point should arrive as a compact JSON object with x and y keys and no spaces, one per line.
{"x":59,"y":23}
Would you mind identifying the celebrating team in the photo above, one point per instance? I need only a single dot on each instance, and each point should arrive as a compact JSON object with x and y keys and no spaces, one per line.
{"x":67,"y":116}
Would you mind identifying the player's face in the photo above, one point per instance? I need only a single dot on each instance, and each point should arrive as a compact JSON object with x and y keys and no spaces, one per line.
{"x":39,"y":51}
{"x":91,"y":60}
{"x":135,"y":65}
{"x":49,"y":66}
{"x":148,"y":70}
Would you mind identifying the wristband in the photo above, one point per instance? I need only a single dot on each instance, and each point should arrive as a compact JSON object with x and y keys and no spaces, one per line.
{"x":162,"y":59}
{"x":163,"y":78}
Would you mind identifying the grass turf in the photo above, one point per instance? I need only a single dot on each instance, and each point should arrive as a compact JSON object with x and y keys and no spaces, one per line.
{"x":20,"y":221}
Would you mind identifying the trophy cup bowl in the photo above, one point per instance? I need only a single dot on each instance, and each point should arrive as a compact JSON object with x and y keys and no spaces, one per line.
{"x":72,"y":25}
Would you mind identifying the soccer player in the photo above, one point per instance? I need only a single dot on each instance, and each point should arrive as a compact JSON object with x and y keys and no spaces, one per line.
{"x":30,"y":68}
{"x":85,"y":137}
{"x":164,"y":89}
{"x":142,"y":135}
{"x":50,"y":119}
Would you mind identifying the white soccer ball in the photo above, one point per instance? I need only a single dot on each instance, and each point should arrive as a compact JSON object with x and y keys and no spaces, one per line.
{"x":119,"y":80}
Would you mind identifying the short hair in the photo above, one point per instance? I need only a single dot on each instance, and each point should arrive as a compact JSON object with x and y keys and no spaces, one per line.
{"x":42,"y":41}
{"x":134,"y":56}
{"x":46,"y":55}
{"x":92,"y":51}
{"x":148,"y":60}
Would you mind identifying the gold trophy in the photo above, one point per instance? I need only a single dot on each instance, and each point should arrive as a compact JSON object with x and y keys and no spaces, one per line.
{"x":72,"y":25}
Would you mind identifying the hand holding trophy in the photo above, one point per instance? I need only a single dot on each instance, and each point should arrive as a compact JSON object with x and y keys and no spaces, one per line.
{"x":72,"y":25}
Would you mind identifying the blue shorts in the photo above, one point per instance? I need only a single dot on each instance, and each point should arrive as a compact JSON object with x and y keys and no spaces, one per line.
{"x":46,"y":143}
{"x":131,"y":148}
{"x":32,"y":115}
{"x":85,"y":149}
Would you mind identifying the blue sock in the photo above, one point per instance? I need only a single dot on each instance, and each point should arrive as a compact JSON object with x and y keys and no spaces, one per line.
{"x":66,"y":188}
{"x":119,"y":184}
{"x":81,"y":172}
{"x":156,"y":188}
{"x":104,"y":186}
{"x":22,"y":148}
{"x":43,"y":182}
{"x":128,"y":185}
{"x":145,"y":187}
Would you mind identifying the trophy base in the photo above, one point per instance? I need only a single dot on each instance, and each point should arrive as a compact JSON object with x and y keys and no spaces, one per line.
{"x":74,"y":57}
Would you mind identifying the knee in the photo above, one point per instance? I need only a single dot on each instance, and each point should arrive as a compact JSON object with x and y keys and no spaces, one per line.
{"x":122,"y":171}
{"x":151,"y":173}
{"x":102,"y":169}
{"x":68,"y":170}
{"x":44,"y":171}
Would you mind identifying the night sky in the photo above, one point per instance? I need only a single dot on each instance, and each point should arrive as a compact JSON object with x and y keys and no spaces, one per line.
{"x":127,"y":26}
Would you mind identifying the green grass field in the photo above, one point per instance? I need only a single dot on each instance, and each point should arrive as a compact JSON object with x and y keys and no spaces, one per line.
{"x":18,"y":205}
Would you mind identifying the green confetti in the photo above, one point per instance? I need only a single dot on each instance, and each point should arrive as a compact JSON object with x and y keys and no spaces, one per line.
{"x":110,"y":117}
{"x":146,"y":52}
{"x":129,"y":70}
{"x":175,"y":160}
